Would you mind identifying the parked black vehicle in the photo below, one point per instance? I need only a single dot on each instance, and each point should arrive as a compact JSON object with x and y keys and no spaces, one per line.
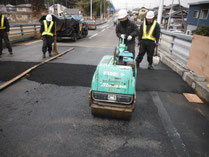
{"x":72,"y":27}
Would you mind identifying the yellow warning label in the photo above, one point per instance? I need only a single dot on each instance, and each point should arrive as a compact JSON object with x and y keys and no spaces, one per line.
{"x":81,"y":26}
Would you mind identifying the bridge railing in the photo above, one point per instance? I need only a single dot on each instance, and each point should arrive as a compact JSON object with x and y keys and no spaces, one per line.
{"x":23,"y":31}
{"x":176,"y":44}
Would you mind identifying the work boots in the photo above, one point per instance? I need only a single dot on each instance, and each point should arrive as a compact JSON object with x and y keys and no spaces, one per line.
{"x":150,"y":67}
{"x":44,"y":55}
{"x":137,"y":65}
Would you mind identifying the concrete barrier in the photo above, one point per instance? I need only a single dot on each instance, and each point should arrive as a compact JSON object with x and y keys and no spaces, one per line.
{"x":193,"y":80}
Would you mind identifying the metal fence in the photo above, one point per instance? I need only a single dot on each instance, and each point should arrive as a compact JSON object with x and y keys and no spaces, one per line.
{"x":176,"y":44}
{"x":23,"y":31}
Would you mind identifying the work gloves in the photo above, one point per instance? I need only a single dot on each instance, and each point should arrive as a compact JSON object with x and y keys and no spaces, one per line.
{"x":123,"y":36}
{"x":129,"y":38}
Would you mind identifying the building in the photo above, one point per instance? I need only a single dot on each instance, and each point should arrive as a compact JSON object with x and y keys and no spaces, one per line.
{"x":198,"y":15}
{"x":26,"y":8}
{"x":10,"y":8}
{"x":142,"y":11}
{"x":177,"y":14}
{"x":18,"y":14}
{"x":3,"y":8}
{"x":68,"y":12}
{"x":57,"y":9}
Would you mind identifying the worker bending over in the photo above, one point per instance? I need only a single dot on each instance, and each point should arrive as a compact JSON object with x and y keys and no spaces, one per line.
{"x":127,"y":29}
{"x":47,"y":33}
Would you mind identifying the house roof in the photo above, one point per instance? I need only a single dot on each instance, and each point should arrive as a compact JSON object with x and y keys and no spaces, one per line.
{"x":174,"y":5}
{"x":71,"y":11}
{"x":143,"y":8}
{"x":176,"y":14}
{"x":170,"y":5}
{"x":23,"y":6}
{"x":10,"y":6}
{"x":200,"y":2}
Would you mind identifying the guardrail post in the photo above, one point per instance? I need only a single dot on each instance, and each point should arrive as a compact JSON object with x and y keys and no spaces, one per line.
{"x":172,"y":44}
{"x":21,"y":29}
{"x":35,"y":28}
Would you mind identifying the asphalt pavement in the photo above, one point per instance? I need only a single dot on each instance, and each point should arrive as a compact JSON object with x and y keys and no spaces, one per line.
{"x":46,"y":113}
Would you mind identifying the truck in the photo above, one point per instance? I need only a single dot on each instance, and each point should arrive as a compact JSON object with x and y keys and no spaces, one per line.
{"x":69,"y":27}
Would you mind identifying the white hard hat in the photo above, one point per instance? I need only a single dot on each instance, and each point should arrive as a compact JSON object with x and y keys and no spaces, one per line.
{"x":156,"y":60}
{"x":122,"y":13}
{"x":49,"y":17}
{"x":150,"y":15}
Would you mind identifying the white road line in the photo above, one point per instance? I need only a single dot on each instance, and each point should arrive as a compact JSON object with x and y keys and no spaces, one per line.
{"x":29,"y":43}
{"x":93,"y":35}
{"x":172,"y":132}
{"x":103,"y":30}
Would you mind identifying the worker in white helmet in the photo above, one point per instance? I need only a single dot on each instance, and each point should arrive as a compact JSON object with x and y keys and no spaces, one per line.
{"x":149,"y":35}
{"x":47,"y":33}
{"x":127,"y":29}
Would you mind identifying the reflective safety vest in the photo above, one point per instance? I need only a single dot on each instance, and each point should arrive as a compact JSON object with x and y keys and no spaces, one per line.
{"x":149,"y":35}
{"x":2,"y":23}
{"x":47,"y":31}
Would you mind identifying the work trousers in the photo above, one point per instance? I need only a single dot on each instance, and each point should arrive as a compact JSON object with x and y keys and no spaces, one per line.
{"x":131,"y":47}
{"x":4,"y":35}
{"x":146,"y":46}
{"x":47,"y":43}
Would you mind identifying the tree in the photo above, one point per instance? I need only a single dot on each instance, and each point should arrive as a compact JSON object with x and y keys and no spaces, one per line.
{"x":85,"y":5}
{"x":37,"y":6}
{"x":202,"y":30}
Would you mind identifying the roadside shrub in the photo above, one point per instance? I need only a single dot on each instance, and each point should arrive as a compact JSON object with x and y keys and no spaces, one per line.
{"x":202,"y":30}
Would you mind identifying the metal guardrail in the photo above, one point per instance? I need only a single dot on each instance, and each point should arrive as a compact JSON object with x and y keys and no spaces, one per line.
{"x":21,"y":31}
{"x":176,"y":44}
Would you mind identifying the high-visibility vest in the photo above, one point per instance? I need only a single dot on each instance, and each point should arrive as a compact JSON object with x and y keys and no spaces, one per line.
{"x":149,"y":35}
{"x":2,"y":23}
{"x":47,"y":31}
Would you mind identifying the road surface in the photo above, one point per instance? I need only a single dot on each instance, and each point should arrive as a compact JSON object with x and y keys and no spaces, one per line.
{"x":46,"y":114}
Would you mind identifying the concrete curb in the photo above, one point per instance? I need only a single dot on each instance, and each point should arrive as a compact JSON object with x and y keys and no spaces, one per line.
{"x":193,"y":80}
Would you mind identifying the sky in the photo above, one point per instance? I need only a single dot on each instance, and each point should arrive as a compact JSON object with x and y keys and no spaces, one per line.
{"x":131,"y":4}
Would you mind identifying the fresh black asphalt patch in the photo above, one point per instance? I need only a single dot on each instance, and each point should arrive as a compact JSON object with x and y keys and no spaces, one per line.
{"x":64,"y":74}
{"x":9,"y":69}
{"x":161,"y":80}
{"x":81,"y":75}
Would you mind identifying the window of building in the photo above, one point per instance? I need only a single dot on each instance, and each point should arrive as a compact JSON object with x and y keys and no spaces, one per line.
{"x":196,"y":14}
{"x":204,"y":14}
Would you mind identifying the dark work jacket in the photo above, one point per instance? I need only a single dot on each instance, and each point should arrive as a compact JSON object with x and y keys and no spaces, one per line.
{"x":156,"y":32}
{"x":48,"y":23}
{"x":6,"y":24}
{"x":130,"y":29}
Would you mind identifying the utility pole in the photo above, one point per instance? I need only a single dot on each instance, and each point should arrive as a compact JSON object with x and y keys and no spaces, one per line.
{"x":101,"y":9}
{"x":182,"y":17}
{"x":160,"y":11}
{"x":91,"y":9}
{"x":169,"y":20}
{"x":54,"y":6}
{"x":104,"y":8}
